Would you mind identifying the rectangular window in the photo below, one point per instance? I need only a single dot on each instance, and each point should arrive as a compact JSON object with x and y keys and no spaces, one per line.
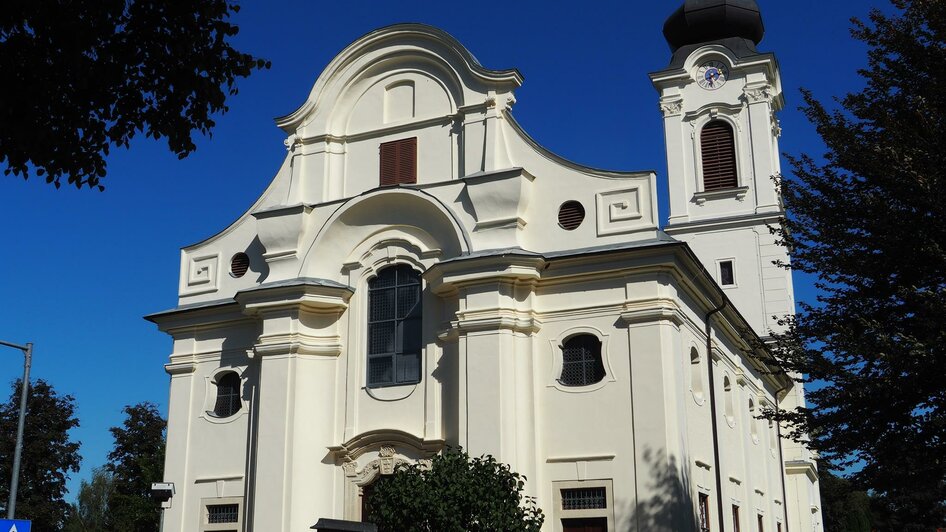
{"x":727,"y":273}
{"x":584,"y":506}
{"x":778,"y":527}
{"x":761,"y":526}
{"x":704,"y":513}
{"x":735,"y":519}
{"x":399,"y":162}
{"x":584,"y":499}
{"x":222,"y":515}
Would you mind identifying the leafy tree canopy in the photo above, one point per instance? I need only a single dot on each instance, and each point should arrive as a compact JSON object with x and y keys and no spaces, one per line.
{"x":868,"y":220}
{"x":136,"y":461}
{"x":458,"y":493}
{"x":90,"y":511}
{"x":80,"y":77}
{"x":843,"y":507}
{"x":49,"y":454}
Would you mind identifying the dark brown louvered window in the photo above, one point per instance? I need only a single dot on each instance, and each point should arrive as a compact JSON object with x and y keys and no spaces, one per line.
{"x":239,"y":264}
{"x":399,"y":162}
{"x":570,"y":215}
{"x":718,"y":148}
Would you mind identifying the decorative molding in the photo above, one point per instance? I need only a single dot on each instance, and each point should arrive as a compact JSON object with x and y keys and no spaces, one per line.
{"x":671,"y":107}
{"x":387,"y":439}
{"x":798,"y":467}
{"x":657,"y":309}
{"x":201,"y":274}
{"x":604,"y":457}
{"x":497,"y":319}
{"x":738,"y":193}
{"x":180,"y":368}
{"x":758,"y":94}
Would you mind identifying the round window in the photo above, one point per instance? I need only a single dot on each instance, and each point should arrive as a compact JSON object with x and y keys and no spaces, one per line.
{"x":239,"y":264}
{"x":570,"y":215}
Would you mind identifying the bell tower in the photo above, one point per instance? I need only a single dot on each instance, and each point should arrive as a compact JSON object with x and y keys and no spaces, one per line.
{"x":719,"y":96}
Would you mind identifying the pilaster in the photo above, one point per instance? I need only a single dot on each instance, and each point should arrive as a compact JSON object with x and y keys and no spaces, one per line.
{"x":298,"y":352}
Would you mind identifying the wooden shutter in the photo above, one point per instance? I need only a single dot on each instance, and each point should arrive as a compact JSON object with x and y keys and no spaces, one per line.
{"x":718,"y":148}
{"x":399,"y":162}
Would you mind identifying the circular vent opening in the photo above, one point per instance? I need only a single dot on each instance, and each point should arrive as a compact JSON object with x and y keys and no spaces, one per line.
{"x":239,"y":264}
{"x":570,"y":215}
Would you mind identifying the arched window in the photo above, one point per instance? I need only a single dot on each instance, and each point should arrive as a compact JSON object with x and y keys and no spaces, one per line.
{"x":581,"y":361}
{"x":718,"y":150}
{"x":753,"y":421}
{"x":228,"y":395}
{"x":394,"y":327}
{"x":696,"y":374}
{"x":727,"y":390}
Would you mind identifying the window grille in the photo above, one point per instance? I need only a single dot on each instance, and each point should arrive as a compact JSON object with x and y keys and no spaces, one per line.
{"x":581,"y":361}
{"x":394,"y":327}
{"x":704,"y":513}
{"x":223,"y":513}
{"x":718,"y":149}
{"x":584,"y":498}
{"x":228,"y":395}
{"x":399,"y":162}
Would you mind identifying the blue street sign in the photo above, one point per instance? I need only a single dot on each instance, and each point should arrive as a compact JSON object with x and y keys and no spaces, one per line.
{"x":18,"y":525}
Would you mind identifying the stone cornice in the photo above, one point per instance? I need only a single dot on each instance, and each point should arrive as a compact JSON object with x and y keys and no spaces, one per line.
{"x":310,"y":295}
{"x":798,"y":467}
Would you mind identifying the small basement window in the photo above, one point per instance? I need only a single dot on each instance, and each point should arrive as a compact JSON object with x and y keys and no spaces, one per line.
{"x":399,"y":162}
{"x":222,"y":515}
{"x":584,"y":506}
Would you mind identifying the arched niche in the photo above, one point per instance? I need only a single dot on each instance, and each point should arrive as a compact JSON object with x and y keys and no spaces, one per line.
{"x":410,"y":217}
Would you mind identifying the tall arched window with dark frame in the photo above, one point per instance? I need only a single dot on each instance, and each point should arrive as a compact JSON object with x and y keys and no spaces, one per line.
{"x":394,"y":327}
{"x":718,"y":153}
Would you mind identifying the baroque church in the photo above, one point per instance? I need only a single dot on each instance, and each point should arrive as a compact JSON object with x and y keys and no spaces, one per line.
{"x":421,"y":273}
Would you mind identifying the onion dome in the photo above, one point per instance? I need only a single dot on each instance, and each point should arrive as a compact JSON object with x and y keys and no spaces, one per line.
{"x":705,"y":21}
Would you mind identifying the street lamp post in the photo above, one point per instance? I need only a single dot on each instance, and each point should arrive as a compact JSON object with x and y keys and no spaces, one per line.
{"x":24,"y":390}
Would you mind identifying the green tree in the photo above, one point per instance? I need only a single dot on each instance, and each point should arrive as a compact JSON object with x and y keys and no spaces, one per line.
{"x":458,"y":493}
{"x":844,"y":508}
{"x":136,"y":461}
{"x":81,"y":77}
{"x":90,"y":511}
{"x":868,"y":221}
{"x":49,"y":454}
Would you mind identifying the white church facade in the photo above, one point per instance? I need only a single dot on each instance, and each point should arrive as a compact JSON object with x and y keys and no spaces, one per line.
{"x":420,"y":273}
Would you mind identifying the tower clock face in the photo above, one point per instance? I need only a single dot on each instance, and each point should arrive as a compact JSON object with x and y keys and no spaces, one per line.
{"x":712,"y":75}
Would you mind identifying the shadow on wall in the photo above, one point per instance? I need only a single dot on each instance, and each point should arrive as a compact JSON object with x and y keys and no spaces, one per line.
{"x":664,"y":504}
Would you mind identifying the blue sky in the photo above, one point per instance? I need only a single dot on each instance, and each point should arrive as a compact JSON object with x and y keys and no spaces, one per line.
{"x":81,"y":268}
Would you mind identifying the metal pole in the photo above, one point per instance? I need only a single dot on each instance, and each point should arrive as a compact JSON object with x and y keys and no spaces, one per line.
{"x":24,"y":391}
